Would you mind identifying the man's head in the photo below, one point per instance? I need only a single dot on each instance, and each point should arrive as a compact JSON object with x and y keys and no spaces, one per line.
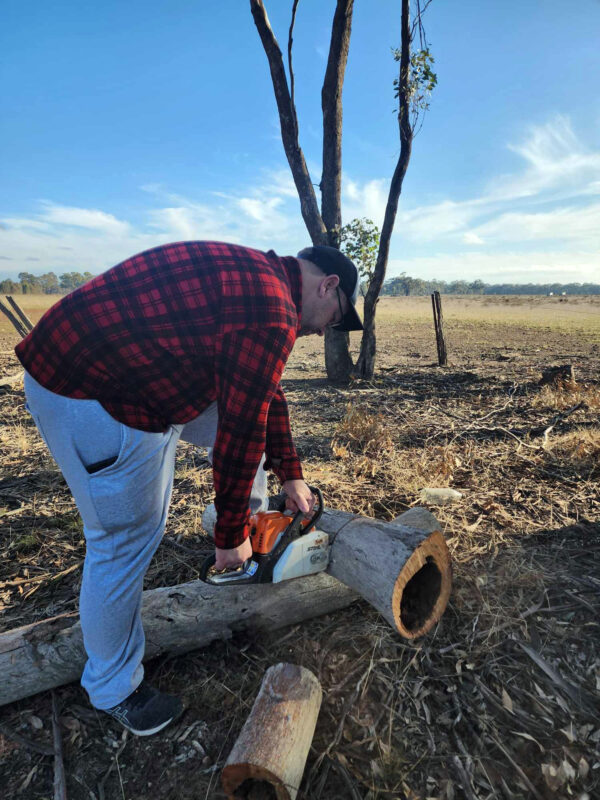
{"x":329,"y":292}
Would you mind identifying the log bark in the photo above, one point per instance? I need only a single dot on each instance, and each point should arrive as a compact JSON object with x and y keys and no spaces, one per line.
{"x":402,"y":568}
{"x":176,"y":619}
{"x":270,"y":753}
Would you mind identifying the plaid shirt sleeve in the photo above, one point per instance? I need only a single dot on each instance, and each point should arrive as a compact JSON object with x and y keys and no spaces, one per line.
{"x":248,"y":368}
{"x":281,"y":453}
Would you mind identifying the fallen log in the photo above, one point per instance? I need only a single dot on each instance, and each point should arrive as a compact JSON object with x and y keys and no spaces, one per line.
{"x":176,"y":619}
{"x":270,"y":753}
{"x":401,"y":567}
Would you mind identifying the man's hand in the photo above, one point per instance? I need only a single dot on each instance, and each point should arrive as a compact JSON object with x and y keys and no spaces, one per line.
{"x":299,"y":496}
{"x":229,"y":559}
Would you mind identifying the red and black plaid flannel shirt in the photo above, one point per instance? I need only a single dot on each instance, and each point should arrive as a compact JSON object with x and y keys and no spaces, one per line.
{"x":159,"y":337}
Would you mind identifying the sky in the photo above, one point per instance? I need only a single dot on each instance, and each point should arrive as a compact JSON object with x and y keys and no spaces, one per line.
{"x":129,"y":125}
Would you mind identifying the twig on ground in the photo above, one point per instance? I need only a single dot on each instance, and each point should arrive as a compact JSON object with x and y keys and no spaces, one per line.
{"x":112,"y":765}
{"x":60,"y":786}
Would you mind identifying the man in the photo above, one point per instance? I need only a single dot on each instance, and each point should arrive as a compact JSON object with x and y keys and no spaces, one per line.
{"x":185,"y":341}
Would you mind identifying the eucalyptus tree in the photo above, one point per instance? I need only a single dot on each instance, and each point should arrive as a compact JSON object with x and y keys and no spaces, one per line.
{"x":412,"y":88}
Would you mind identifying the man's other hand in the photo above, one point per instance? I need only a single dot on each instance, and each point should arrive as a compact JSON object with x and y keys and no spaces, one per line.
{"x":299,"y":496}
{"x":229,"y":559}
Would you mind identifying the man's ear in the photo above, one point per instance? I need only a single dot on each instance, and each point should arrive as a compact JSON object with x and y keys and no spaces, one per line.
{"x":329,"y":283}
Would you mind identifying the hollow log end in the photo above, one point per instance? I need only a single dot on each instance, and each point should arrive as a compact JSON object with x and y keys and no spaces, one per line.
{"x":252,"y":782}
{"x":422,"y":589}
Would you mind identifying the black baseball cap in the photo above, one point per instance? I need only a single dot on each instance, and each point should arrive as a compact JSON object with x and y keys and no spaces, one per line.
{"x":333,"y":262}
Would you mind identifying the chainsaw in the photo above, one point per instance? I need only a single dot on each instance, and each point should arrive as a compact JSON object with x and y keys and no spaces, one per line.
{"x":283,"y":547}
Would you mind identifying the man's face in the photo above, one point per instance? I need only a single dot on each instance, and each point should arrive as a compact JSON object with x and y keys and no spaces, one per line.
{"x":325,"y":308}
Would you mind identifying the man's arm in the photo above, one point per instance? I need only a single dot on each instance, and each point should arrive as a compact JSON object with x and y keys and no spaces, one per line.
{"x":248,"y":367}
{"x":282,"y":457}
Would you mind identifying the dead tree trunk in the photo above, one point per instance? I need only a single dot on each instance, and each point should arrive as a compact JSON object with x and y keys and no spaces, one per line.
{"x":323,"y":228}
{"x":365,"y":366}
{"x":273,"y":745}
{"x":289,"y":126}
{"x":400,"y":567}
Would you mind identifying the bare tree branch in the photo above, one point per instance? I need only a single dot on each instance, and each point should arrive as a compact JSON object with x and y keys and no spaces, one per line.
{"x":289,"y":129}
{"x":331,"y":103}
{"x":366,"y":359}
{"x":290,"y":69}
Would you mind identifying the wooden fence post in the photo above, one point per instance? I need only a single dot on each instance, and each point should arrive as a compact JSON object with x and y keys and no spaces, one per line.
{"x":438,"y":321}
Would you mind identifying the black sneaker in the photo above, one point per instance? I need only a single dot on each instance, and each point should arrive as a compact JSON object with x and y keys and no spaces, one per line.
{"x":147,"y":710}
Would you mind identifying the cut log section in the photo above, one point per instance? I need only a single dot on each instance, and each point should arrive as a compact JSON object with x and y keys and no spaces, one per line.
{"x":269,"y":756}
{"x":401,"y":567}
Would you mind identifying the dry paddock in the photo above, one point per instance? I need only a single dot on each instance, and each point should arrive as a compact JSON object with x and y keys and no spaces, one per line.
{"x":500,"y":700}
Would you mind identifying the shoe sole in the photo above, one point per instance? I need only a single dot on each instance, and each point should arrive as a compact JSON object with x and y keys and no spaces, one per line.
{"x":149,"y":731}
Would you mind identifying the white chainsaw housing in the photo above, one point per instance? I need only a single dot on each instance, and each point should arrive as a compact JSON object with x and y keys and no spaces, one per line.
{"x":304,"y":556}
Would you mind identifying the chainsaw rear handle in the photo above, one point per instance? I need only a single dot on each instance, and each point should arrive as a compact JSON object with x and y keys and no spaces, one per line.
{"x":232,"y":576}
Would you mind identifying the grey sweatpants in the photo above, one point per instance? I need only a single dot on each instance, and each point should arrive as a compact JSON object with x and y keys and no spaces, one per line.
{"x":124,"y":508}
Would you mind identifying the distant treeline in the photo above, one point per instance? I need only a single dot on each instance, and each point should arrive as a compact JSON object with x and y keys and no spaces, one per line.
{"x":404,"y":285}
{"x":50,"y":283}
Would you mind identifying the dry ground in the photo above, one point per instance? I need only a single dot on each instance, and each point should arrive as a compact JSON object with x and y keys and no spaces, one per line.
{"x":501,"y":700}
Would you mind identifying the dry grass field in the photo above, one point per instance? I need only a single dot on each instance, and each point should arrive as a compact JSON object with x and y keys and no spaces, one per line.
{"x":501,"y":700}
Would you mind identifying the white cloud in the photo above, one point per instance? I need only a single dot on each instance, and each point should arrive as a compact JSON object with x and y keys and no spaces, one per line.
{"x":562,"y":224}
{"x":471,"y":238}
{"x":540,"y":220}
{"x":364,"y":200}
{"x":64,"y":238}
{"x":89,"y":218}
{"x":557,"y":165}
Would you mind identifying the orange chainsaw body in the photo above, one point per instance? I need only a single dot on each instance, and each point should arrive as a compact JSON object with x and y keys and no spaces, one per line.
{"x":266,"y":527}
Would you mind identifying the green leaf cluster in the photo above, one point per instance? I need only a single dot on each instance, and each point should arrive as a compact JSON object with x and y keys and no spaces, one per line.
{"x":359,"y":240}
{"x":422,"y":80}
